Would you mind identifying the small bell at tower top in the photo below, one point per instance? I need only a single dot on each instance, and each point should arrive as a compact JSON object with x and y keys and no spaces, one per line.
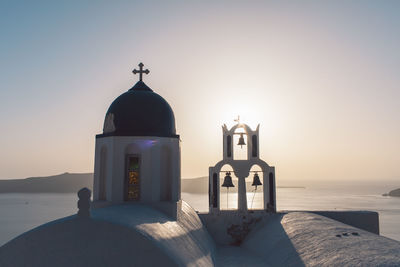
{"x":241,"y":140}
{"x":256,"y":180}
{"x":228,"y":181}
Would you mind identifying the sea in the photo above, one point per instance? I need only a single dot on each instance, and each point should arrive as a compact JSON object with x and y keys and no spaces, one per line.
{"x":22,"y":212}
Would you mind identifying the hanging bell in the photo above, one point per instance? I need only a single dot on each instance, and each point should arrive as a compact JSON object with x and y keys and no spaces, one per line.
{"x":256,"y":180}
{"x":241,"y":140}
{"x":228,"y":181}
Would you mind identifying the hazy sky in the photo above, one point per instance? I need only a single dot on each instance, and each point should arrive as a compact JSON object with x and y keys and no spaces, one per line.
{"x":322,"y":79}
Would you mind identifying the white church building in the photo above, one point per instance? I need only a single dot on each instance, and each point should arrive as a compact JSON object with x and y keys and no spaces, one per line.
{"x":137,"y":217}
{"x":137,"y":157}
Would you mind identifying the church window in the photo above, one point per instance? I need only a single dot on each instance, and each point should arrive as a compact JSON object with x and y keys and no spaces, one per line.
{"x":132,"y":184}
{"x":166,"y":172}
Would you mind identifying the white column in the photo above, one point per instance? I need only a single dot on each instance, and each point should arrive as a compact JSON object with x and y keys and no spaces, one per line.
{"x":242,"y":198}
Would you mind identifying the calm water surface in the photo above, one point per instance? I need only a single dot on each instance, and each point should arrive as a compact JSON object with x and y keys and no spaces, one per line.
{"x":22,"y":212}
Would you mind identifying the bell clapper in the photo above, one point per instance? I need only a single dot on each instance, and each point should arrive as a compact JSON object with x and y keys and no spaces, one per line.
{"x":227,"y":194}
{"x":251,"y":206}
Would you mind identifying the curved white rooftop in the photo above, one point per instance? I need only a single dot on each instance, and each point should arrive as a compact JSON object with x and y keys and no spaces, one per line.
{"x":307,"y":239}
{"x":118,"y":235}
{"x":139,"y":235}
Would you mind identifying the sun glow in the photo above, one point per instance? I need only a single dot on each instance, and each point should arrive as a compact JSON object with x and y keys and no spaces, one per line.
{"x":253,"y":114}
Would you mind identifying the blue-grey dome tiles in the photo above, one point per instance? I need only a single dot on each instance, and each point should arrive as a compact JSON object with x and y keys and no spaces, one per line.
{"x":140,"y":112}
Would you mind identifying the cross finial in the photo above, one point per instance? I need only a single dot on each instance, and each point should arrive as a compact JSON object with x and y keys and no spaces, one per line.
{"x":141,"y":71}
{"x":237,"y":120}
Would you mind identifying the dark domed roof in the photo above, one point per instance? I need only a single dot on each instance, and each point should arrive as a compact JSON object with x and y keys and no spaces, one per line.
{"x":139,"y":112}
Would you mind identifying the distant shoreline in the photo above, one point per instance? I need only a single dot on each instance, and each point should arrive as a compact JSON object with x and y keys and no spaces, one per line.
{"x":393,"y":193}
{"x":301,"y":187}
{"x":62,"y":183}
{"x":72,"y":182}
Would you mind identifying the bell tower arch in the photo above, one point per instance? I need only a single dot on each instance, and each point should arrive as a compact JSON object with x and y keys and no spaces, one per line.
{"x":241,"y":169}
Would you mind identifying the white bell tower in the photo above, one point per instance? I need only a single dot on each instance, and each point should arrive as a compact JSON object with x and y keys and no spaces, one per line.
{"x":242,"y":168}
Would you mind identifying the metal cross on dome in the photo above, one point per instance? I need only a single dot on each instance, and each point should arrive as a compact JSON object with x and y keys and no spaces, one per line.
{"x":140,"y":71}
{"x":237,"y":120}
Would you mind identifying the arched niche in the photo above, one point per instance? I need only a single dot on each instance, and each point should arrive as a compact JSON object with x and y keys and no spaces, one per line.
{"x":166,"y":174}
{"x":229,"y":146}
{"x":228,"y":197}
{"x":103,"y":174}
{"x":240,"y":152}
{"x":254,"y":148}
{"x":255,"y":195}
